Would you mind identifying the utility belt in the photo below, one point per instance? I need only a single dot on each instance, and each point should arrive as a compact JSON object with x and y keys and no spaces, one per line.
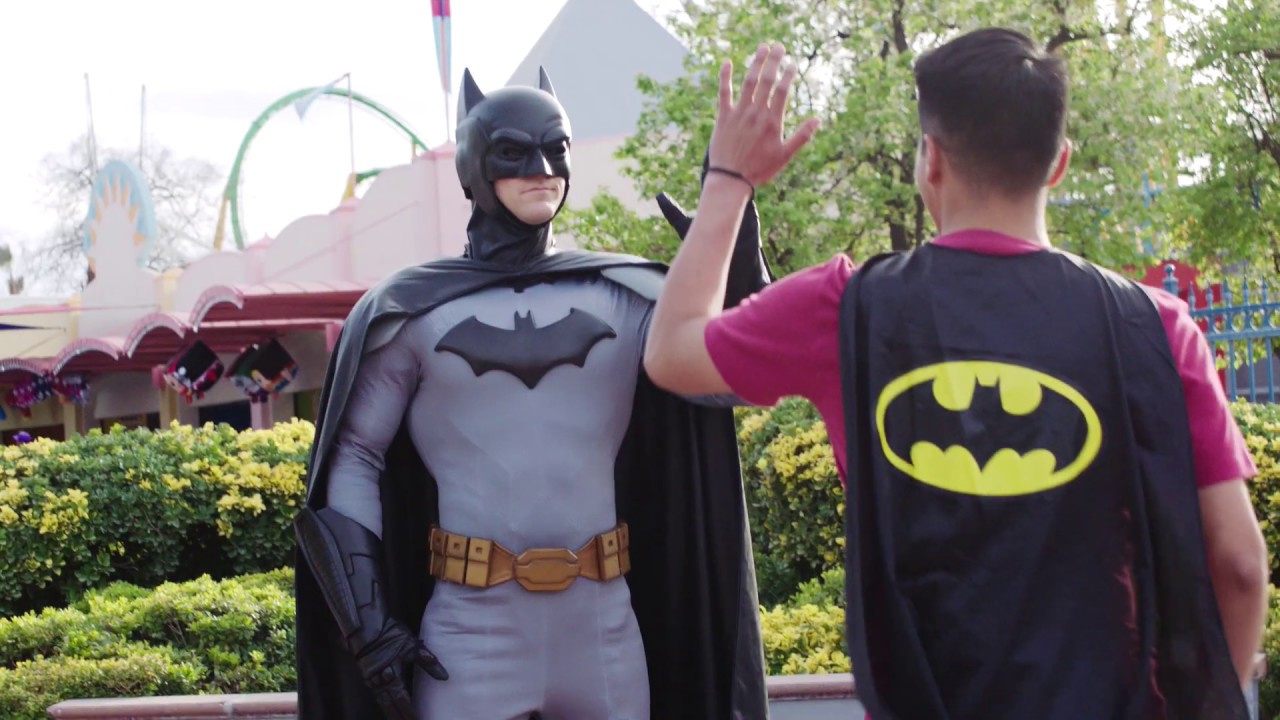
{"x":480,"y":563}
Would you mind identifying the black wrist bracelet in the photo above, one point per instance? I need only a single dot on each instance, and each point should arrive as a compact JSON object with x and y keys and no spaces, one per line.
{"x":734,"y":174}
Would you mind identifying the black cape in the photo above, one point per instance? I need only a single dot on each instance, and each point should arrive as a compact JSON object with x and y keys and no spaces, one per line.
{"x":1083,"y":593}
{"x":679,"y":487}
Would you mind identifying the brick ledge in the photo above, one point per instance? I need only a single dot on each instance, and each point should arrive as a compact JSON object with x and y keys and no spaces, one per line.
{"x":268,"y":706}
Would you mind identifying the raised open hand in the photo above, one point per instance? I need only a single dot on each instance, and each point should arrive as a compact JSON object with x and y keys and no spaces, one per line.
{"x":748,"y":138}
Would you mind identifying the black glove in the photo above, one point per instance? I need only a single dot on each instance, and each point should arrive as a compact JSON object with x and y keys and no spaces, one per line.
{"x":346,"y":561}
{"x":748,"y":270}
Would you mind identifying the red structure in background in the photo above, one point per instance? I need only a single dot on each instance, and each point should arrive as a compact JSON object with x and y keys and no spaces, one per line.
{"x":1188,"y":278}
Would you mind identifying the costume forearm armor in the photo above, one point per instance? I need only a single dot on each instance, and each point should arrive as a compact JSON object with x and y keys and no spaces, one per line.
{"x":346,"y":559}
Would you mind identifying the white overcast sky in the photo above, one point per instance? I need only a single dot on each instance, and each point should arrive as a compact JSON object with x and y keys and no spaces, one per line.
{"x":210,"y":69}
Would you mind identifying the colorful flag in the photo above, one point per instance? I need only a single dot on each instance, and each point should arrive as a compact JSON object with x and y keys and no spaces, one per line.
{"x":441,"y":18}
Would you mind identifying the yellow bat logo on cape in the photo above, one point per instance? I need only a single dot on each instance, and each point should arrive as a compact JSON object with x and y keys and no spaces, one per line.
{"x":955,"y":461}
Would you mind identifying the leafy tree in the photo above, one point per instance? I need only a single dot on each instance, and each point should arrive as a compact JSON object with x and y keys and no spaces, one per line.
{"x":1236,"y":200}
{"x":853,"y":188}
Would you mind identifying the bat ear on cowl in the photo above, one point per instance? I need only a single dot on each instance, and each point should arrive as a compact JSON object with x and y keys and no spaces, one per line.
{"x":544,"y":82}
{"x":471,"y":95}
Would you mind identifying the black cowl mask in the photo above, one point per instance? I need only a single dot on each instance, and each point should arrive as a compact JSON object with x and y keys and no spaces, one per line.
{"x":511,"y":132}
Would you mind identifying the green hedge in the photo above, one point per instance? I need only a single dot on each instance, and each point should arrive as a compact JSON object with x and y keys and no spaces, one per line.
{"x":805,"y":635}
{"x":145,"y":507}
{"x":237,"y":635}
{"x":1261,"y":427}
{"x":172,"y":505}
{"x":794,"y":498}
{"x":202,"y":636}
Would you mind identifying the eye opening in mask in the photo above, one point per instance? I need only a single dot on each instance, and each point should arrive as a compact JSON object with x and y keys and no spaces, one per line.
{"x":556,"y":148}
{"x":509,"y":151}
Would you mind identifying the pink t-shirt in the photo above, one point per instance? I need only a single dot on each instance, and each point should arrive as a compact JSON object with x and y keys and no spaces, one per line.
{"x":784,"y":341}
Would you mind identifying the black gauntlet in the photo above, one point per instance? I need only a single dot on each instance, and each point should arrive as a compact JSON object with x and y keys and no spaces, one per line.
{"x":748,"y":269}
{"x":346,"y":560}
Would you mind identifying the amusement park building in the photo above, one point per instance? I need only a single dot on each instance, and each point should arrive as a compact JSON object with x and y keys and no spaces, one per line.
{"x":298,"y":287}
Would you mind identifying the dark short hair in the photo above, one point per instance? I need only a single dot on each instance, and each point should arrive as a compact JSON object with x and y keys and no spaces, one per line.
{"x":997,"y":104}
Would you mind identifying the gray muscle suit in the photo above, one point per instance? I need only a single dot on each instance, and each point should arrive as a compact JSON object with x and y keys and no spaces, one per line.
{"x":477,"y":435}
{"x":518,"y":399}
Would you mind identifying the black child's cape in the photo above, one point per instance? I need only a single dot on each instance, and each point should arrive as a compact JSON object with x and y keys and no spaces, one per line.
{"x":1081,"y":593}
{"x":678,"y":486}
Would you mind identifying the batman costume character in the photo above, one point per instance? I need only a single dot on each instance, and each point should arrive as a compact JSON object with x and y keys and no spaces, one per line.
{"x":1024,"y":534}
{"x":500,"y":499}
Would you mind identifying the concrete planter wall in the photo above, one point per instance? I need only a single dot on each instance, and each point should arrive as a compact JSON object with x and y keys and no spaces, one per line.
{"x":791,"y":697}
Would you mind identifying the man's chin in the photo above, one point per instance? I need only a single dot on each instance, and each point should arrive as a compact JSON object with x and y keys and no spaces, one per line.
{"x":540,"y":217}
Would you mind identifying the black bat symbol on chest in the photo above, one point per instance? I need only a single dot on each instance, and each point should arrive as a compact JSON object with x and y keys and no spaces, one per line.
{"x":528,"y":352}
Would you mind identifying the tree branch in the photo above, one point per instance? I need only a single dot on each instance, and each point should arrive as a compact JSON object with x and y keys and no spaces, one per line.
{"x":1067,"y":34}
{"x":899,"y":29}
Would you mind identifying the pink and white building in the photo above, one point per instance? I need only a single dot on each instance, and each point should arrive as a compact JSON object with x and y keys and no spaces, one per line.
{"x":297,"y":287}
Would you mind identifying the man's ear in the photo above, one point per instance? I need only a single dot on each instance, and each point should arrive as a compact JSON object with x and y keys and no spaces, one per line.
{"x":934,"y":160}
{"x":1060,"y":166}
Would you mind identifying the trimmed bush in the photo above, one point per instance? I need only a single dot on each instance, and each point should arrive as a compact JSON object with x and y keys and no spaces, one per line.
{"x":1261,"y":427}
{"x":824,"y":591}
{"x":237,"y":635}
{"x":172,"y":505}
{"x":805,"y":636}
{"x":27,"y":691}
{"x":794,"y":498}
{"x":198,"y":637}
{"x":1269,"y":688}
{"x":804,"y":640}
{"x":145,"y":507}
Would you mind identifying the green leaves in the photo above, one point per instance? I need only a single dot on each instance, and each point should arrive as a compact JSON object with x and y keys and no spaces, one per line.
{"x":145,"y":507}
{"x":1236,"y":202}
{"x":794,"y":497}
{"x":1140,"y":126}
{"x":202,"y":636}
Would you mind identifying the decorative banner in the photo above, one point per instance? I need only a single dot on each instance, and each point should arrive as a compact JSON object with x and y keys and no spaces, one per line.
{"x":73,"y":389}
{"x":263,"y":370}
{"x":21,"y":398}
{"x":193,"y":371}
{"x":442,"y":17}
{"x":274,"y":368}
{"x":24,"y":396}
{"x":240,"y":374}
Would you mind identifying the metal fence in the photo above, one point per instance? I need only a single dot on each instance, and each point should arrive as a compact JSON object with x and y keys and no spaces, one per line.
{"x":1242,"y":332}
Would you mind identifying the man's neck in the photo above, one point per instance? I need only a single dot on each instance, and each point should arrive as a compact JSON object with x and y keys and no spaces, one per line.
{"x":1020,"y":219}
{"x":504,"y":240}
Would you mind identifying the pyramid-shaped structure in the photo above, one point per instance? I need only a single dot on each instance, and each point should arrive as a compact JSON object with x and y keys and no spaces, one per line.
{"x":594,"y":50}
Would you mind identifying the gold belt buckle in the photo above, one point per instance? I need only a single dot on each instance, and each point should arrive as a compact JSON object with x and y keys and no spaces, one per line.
{"x":546,"y":569}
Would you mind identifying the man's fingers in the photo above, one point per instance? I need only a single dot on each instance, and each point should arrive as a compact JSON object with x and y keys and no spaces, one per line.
{"x":768,"y":76}
{"x":778,"y":104}
{"x":800,"y":138}
{"x":430,"y":664}
{"x":753,"y":76}
{"x":726,"y":86}
{"x":395,"y":702}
